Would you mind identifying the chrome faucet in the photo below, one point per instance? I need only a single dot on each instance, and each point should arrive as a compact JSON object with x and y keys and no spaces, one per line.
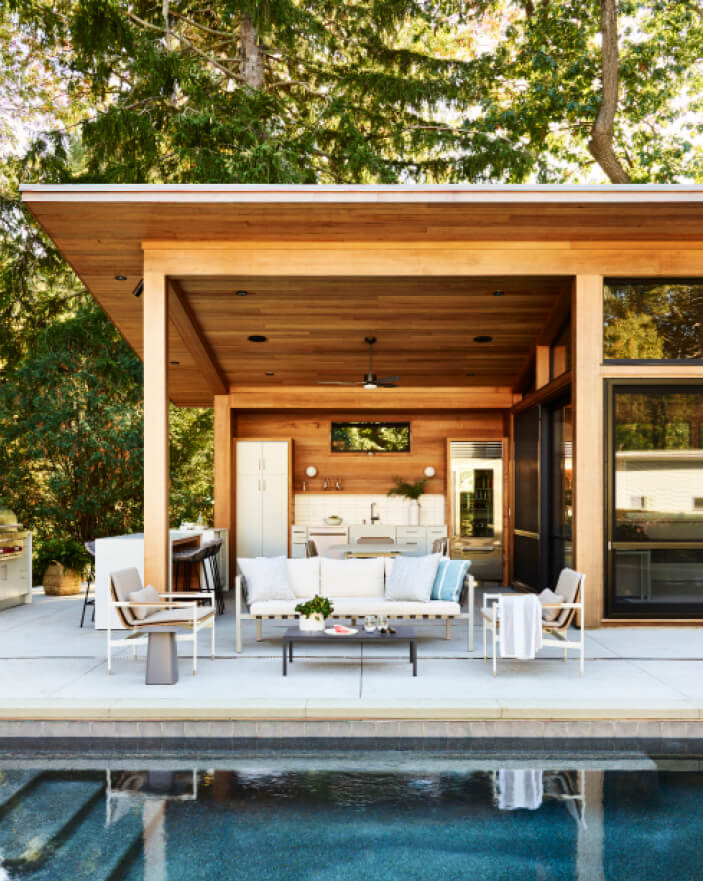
{"x":374,"y":515}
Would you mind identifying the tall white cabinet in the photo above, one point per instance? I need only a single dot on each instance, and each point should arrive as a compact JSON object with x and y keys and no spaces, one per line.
{"x":262,"y":491}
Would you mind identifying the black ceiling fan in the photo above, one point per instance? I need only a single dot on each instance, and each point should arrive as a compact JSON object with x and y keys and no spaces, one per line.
{"x":370,"y":379}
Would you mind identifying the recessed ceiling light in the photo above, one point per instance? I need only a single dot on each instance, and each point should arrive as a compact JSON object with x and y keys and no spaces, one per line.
{"x":270,"y":373}
{"x":174,"y":362}
{"x":469,"y":374}
{"x":242,"y":293}
{"x":257,"y":338}
{"x":120,"y":278}
{"x":498,"y":293}
{"x":483,"y":339}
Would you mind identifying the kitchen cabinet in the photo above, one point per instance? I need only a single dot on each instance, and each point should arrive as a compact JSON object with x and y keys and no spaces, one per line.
{"x":262,"y":490}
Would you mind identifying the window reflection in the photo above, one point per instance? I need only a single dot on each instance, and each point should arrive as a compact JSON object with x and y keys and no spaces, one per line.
{"x":658,"y":465}
{"x":660,"y":320}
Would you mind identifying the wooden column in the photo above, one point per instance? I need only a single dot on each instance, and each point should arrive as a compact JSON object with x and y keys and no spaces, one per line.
{"x":222,"y":471}
{"x":156,"y":471}
{"x":542,"y":371}
{"x":587,"y":330}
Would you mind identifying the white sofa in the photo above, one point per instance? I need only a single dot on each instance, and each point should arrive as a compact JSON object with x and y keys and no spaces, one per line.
{"x":356,"y":588}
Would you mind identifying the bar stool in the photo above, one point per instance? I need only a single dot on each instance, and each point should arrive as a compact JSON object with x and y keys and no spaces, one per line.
{"x":185,"y":560}
{"x":90,"y":547}
{"x":212,"y":580}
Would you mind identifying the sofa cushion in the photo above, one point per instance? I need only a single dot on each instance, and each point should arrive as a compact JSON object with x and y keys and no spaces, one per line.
{"x":351,"y":578}
{"x":411,"y":578}
{"x":148,"y":595}
{"x":304,"y":576}
{"x":360,"y":606}
{"x":449,"y":579}
{"x":266,"y":578}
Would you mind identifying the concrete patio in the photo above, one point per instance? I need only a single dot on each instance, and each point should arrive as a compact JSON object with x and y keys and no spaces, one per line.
{"x":638,"y":682}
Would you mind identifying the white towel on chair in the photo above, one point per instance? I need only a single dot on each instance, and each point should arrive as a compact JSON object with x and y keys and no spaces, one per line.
{"x":520,"y":788}
{"x":520,"y":626}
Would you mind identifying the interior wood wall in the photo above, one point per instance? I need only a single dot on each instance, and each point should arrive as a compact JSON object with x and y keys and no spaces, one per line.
{"x":361,"y":473}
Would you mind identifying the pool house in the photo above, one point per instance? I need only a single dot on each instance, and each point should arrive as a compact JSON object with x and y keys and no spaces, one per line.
{"x":535,"y":353}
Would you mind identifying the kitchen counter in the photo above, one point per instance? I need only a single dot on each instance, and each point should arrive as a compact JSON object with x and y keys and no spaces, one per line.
{"x":122,"y":551}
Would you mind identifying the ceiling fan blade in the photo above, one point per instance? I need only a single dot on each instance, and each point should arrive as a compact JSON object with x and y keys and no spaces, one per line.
{"x":385,"y":379}
{"x":336,"y":382}
{"x":386,"y":384}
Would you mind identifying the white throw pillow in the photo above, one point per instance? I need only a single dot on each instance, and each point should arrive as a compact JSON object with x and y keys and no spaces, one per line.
{"x":304,"y":576}
{"x":148,"y":594}
{"x":411,"y":578}
{"x":351,"y":578}
{"x":266,"y":578}
{"x":548,"y":596}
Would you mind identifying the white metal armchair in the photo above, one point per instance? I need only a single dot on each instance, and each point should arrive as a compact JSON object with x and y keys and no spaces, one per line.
{"x":173,"y":610}
{"x":570,"y":585}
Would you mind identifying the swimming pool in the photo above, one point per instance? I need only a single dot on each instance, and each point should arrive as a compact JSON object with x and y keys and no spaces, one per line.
{"x":335,"y":818}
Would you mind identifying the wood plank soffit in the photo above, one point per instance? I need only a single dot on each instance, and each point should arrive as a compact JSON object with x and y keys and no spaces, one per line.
{"x":188,"y":329}
{"x":341,"y":398}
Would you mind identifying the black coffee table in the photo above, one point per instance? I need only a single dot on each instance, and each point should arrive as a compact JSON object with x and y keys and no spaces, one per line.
{"x":293,"y":635}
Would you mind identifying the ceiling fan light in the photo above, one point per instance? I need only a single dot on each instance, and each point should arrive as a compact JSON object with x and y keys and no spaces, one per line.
{"x":370,"y":385}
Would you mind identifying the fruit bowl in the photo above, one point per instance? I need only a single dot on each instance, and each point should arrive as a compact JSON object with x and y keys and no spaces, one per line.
{"x":333,"y":520}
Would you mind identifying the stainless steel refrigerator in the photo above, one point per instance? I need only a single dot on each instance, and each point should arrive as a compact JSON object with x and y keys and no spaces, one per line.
{"x":477,"y":506}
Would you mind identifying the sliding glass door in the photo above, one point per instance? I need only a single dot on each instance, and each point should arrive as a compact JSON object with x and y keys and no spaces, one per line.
{"x":655,"y":500}
{"x":543,"y":493}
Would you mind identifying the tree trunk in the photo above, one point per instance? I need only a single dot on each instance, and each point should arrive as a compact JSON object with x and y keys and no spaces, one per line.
{"x":251,"y":58}
{"x":601,"y":142}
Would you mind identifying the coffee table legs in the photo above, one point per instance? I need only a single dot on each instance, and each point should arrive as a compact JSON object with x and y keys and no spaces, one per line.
{"x":161,"y":659}
{"x":287,"y":654}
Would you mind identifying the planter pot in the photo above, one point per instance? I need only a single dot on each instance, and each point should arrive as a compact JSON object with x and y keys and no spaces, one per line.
{"x":60,"y":582}
{"x":313,"y":623}
{"x":414,"y":513}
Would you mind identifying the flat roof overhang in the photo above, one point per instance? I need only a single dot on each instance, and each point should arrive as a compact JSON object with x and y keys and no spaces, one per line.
{"x":103,"y":231}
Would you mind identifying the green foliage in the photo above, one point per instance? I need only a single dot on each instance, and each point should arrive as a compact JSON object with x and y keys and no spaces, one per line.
{"x":71,"y":421}
{"x":69,"y":552}
{"x":191,"y":458}
{"x":316,"y":606}
{"x":408,"y":489}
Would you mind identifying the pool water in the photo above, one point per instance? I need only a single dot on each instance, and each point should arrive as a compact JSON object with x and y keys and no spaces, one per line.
{"x":367,"y":819}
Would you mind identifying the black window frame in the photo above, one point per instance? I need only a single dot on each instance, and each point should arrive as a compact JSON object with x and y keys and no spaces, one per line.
{"x":610,"y":546}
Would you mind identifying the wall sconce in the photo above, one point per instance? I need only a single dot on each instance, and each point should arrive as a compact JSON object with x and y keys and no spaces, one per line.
{"x":429,"y":471}
{"x":311,"y":471}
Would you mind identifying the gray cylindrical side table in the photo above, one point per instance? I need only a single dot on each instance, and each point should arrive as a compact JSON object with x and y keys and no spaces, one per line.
{"x":161,"y":655}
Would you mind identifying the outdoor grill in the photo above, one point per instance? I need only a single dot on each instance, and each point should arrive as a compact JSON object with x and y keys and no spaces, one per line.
{"x":15,"y":561}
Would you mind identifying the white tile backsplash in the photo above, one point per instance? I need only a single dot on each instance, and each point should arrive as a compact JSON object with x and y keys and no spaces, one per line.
{"x":312,"y":508}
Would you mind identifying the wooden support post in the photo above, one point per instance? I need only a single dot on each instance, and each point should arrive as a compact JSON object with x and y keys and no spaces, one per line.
{"x":156,"y":476}
{"x":587,"y":330}
{"x":222,"y":472}
{"x":542,"y":366}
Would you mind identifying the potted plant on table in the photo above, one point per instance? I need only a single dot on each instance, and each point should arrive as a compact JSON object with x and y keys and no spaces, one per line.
{"x":313,"y":613}
{"x":410,"y":490}
{"x":62,"y":562}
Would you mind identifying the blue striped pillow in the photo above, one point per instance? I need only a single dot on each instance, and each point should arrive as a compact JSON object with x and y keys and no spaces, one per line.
{"x":449,"y":579}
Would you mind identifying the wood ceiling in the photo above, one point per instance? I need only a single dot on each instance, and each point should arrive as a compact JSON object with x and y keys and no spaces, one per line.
{"x":316,"y":325}
{"x":425,"y":327}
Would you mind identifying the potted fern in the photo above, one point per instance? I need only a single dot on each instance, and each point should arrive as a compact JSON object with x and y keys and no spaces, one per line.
{"x":411,"y":490}
{"x":313,"y":613}
{"x":62,"y":562}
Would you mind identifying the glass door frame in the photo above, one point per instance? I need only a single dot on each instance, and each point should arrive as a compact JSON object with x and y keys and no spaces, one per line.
{"x":610,"y":546}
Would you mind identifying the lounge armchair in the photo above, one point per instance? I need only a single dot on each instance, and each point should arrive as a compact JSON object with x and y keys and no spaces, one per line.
{"x":174,"y":610}
{"x":570,"y":586}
